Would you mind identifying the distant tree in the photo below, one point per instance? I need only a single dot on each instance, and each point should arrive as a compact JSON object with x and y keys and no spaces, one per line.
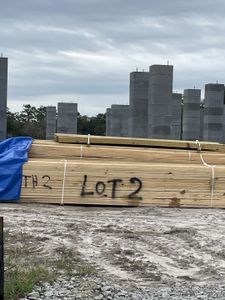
{"x":14,"y":127}
{"x":97,"y":124}
{"x":31,"y":121}
{"x":91,"y":125}
{"x":28,"y":114}
{"x":83,"y":124}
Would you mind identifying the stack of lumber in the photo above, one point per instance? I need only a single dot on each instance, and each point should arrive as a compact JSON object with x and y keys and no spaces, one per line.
{"x":56,"y":150}
{"x":93,"y":170}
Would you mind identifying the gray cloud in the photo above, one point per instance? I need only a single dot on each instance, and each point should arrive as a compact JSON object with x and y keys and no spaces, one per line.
{"x":85,"y":49}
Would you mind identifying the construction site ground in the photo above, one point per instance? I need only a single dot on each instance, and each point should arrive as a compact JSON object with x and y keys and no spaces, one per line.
{"x":132,"y":248}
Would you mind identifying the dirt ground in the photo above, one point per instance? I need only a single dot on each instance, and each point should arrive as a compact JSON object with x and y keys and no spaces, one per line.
{"x":139,"y":245}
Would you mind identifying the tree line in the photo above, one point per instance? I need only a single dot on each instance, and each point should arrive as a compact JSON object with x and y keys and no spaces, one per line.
{"x":31,"y":121}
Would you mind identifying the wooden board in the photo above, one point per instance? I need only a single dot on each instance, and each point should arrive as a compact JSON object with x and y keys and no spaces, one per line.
{"x":54,"y":150}
{"x":113,"y":183}
{"x":110,"y":140}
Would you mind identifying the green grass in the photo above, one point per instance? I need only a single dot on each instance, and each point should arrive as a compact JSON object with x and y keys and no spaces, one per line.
{"x":25,"y":268}
{"x":19,"y":282}
{"x":72,"y":265}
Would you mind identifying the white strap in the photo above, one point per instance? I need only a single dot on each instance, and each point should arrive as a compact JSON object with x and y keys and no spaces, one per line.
{"x":81,"y":151}
{"x":199,"y":145}
{"x":212,"y":167}
{"x":63,"y":184}
{"x":189,"y":156}
{"x":89,"y":139}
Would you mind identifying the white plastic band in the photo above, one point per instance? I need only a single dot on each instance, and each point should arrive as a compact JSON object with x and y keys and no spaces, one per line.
{"x":89,"y":139}
{"x":63,"y":184}
{"x":199,"y":145}
{"x":212,"y":167}
{"x":189,"y":156}
{"x":212,"y":184}
{"x":81,"y":151}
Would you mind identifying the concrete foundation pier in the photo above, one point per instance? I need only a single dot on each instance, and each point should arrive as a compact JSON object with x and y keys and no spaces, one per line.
{"x":160,"y":101}
{"x":50,"y":122}
{"x":139,"y":89}
{"x":191,"y":114}
{"x":120,"y":120}
{"x":176,"y":116}
{"x":213,"y":129}
{"x":201,"y":121}
{"x":108,"y":122}
{"x":67,"y":118}
{"x":3,"y":97}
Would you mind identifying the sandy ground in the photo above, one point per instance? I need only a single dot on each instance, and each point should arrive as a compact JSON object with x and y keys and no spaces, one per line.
{"x":137,"y":245}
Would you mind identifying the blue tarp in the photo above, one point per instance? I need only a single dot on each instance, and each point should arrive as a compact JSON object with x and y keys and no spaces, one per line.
{"x":13,"y":154}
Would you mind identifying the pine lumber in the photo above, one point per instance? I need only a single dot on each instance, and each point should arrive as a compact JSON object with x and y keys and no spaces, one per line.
{"x":55,"y":150}
{"x":124,"y":171}
{"x":99,"y":182}
{"x":126,"y":141}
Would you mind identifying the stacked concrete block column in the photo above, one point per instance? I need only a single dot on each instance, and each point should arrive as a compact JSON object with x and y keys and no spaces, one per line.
{"x":3,"y":97}
{"x":120,"y":120}
{"x":176,"y":116}
{"x":67,"y":118}
{"x":201,"y":121}
{"x":50,"y":122}
{"x":214,"y":113}
{"x":139,"y":86}
{"x":160,"y":101}
{"x":108,"y":122}
{"x":191,"y":114}
{"x":125,"y":120}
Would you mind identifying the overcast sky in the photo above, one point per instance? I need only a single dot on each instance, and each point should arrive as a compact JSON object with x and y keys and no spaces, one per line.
{"x":83,"y":50}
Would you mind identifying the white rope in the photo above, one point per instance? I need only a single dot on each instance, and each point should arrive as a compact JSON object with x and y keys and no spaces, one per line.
{"x":212,"y":167}
{"x":63,"y":184}
{"x":89,"y":139}
{"x":189,"y":156}
{"x":81,"y":151}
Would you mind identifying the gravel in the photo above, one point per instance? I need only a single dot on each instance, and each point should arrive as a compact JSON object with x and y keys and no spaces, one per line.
{"x":137,"y":253}
{"x":93,"y":288}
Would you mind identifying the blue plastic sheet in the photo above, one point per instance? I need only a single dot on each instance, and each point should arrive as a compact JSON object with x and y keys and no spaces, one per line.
{"x":13,"y":154}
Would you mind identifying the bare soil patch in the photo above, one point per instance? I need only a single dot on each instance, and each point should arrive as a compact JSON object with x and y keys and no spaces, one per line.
{"x":135,"y":246}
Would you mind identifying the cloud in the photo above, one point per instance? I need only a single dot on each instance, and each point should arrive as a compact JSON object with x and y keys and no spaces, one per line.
{"x":85,"y":49}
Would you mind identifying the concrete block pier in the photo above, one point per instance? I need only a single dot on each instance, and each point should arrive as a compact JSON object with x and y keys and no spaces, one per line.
{"x":108,"y":122}
{"x":67,"y":118}
{"x":176,"y":116}
{"x":160,"y":101}
{"x":191,"y":114}
{"x":213,"y":128}
{"x":50,"y":122}
{"x":3,"y":97}
{"x":120,"y":120}
{"x":139,"y":89}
